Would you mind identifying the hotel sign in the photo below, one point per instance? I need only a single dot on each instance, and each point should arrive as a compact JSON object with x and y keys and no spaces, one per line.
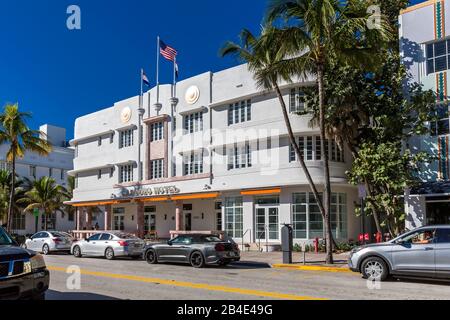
{"x":154,"y":191}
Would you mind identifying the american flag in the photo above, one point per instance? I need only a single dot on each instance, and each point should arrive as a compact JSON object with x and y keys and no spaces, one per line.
{"x":167,"y":52}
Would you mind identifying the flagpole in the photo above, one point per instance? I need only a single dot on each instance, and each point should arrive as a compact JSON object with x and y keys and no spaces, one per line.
{"x":174,"y":93}
{"x":157,"y":70}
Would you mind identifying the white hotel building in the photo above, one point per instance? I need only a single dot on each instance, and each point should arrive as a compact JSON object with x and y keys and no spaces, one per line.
{"x":217,"y":159}
{"x":33,"y":167}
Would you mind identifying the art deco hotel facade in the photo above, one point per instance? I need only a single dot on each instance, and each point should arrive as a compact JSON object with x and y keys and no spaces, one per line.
{"x":216,"y":158}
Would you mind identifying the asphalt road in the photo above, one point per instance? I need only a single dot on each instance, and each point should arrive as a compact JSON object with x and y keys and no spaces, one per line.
{"x":136,"y":280}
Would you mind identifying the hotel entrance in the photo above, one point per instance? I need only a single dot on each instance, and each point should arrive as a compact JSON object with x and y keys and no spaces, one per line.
{"x":267,"y":225}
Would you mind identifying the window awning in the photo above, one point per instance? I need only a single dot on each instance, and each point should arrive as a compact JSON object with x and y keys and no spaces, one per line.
{"x":261,"y":192}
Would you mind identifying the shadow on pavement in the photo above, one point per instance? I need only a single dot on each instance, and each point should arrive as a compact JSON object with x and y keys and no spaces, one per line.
{"x":249,"y":265}
{"x":56,"y":295}
{"x":436,"y":282}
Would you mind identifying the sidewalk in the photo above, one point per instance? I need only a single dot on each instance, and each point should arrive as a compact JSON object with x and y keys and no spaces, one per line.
{"x":314,"y":262}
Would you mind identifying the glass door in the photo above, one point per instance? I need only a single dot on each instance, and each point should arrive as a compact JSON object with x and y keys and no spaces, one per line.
{"x":267,"y":224}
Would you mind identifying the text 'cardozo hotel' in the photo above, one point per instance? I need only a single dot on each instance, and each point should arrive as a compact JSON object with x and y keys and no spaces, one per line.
{"x":217,"y":158}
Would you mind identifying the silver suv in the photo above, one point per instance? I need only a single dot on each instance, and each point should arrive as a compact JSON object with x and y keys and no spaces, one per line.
{"x":423,"y":252}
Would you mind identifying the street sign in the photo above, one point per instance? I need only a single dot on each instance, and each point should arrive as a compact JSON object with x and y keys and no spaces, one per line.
{"x":36,"y":212}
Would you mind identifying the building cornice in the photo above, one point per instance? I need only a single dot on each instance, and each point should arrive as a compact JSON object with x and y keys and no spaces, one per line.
{"x":74,"y":142}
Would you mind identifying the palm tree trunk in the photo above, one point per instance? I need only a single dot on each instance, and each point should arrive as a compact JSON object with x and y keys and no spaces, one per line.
{"x":297,"y":149}
{"x":11,"y":194}
{"x":326,"y":168}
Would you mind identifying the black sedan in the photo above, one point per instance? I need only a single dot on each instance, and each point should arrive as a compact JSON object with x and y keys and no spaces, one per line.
{"x":198,"y":250}
{"x":23,"y":273}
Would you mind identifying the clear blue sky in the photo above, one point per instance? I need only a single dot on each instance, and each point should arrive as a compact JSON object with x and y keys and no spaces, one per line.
{"x":60,"y":75}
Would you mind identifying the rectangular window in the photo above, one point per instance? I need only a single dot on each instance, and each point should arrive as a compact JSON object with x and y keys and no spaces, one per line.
{"x":299,"y":215}
{"x":218,"y":209}
{"x":309,"y":149}
{"x":240,"y":112}
{"x":297,"y":101}
{"x":50,"y":172}
{"x":442,"y":125}
{"x":157,"y":130}
{"x":318,"y":148}
{"x":240,"y":156}
{"x":234,"y":222}
{"x":111,"y":172}
{"x":438,"y":57}
{"x":333,"y":150}
{"x":33,"y":171}
{"x":157,"y":169}
{"x":99,"y":174}
{"x":126,"y":138}
{"x":18,"y":221}
{"x":119,"y":219}
{"x":193,"y":122}
{"x":126,"y":174}
{"x":193,"y":164}
{"x":100,"y":141}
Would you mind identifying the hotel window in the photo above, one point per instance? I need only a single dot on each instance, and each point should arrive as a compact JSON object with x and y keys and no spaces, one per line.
{"x":297,"y":101}
{"x":99,"y":174}
{"x":438,"y":58}
{"x":18,"y":221}
{"x":218,"y":209}
{"x":193,"y":122}
{"x":50,"y":172}
{"x":157,"y":130}
{"x":312,"y":150}
{"x":234,"y":222}
{"x":240,"y":112}
{"x":157,"y":169}
{"x":111,"y":172}
{"x":308,"y":222}
{"x":33,"y":171}
{"x":126,"y":174}
{"x":193,"y":163}
{"x":100,"y":140}
{"x":119,"y":219}
{"x":240,"y":156}
{"x":126,"y":138}
{"x":111,"y":138}
{"x":441,"y":126}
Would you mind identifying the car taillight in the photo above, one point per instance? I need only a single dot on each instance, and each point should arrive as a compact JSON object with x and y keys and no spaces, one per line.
{"x":220,"y":247}
{"x":57,"y":240}
{"x":235,"y":247}
{"x":123,"y":243}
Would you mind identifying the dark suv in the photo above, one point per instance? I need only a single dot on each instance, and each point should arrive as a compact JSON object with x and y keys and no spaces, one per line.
{"x":23,"y":273}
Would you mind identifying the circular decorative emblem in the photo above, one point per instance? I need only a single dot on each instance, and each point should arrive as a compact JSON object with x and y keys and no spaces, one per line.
{"x":192,"y":95}
{"x":125,"y":116}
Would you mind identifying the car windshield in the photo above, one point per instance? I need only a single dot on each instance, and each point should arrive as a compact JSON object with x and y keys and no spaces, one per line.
{"x":209,"y":239}
{"x":59,"y":235}
{"x":5,"y":239}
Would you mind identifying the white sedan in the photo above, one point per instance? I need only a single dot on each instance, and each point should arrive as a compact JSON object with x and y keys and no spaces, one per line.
{"x":47,"y":242}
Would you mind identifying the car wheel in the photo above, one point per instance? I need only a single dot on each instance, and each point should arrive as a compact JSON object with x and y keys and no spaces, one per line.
{"x":46,"y":249}
{"x":109,"y":254}
{"x":77,"y":252}
{"x":375,"y":269}
{"x":197,"y":260}
{"x":150,"y":257}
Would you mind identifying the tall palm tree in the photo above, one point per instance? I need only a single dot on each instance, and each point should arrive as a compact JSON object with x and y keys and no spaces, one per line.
{"x":317,"y":31}
{"x":45,"y":195}
{"x":266,"y":58}
{"x":15,"y":132}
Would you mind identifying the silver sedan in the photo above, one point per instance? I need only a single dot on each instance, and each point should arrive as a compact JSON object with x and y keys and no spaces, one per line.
{"x":109,"y":245}
{"x":47,"y":242}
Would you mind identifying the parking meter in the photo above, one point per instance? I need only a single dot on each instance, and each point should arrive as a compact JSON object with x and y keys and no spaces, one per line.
{"x":287,"y":243}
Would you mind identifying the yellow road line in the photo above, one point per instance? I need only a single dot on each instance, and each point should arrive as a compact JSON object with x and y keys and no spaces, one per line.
{"x":192,"y":285}
{"x":311,"y":268}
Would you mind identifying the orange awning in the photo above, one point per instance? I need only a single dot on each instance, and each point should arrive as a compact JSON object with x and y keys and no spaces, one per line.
{"x":261,"y":192}
{"x":98,"y":203}
{"x":196,"y":196}
{"x":154,"y":199}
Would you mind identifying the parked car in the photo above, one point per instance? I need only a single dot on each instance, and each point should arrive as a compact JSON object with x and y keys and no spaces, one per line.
{"x":47,"y":242}
{"x":109,"y":245}
{"x":197,"y":250}
{"x":23,"y":273}
{"x":423,"y":252}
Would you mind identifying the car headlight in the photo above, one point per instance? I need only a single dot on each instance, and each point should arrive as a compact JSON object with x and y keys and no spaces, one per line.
{"x":356,"y":250}
{"x":37,"y":262}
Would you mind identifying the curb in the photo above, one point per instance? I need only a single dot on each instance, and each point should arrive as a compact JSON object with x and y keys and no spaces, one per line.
{"x":311,"y":268}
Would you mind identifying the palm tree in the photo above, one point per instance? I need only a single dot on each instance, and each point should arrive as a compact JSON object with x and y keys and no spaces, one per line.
{"x":316,"y":32}
{"x":266,"y":58}
{"x":45,"y":195}
{"x":15,"y":132}
{"x":21,"y":187}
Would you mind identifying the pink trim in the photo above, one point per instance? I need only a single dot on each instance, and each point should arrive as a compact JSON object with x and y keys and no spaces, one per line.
{"x":168,"y":180}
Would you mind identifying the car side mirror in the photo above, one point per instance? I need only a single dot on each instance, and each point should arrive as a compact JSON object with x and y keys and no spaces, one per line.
{"x":87,"y":240}
{"x":170,"y":243}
